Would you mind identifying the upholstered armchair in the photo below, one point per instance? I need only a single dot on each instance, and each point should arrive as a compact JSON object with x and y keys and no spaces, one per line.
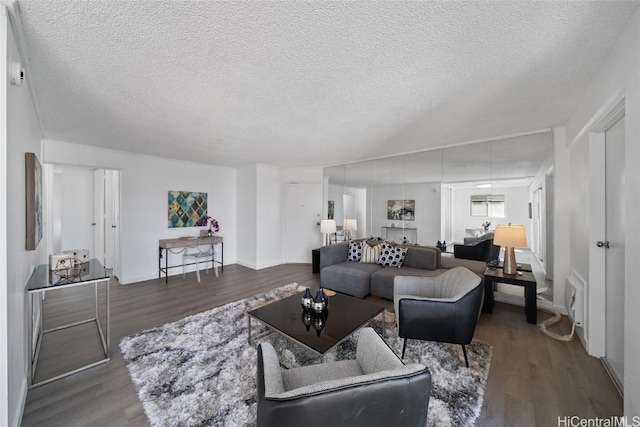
{"x":443,"y":308}
{"x":375,"y":389}
{"x":479,"y":250}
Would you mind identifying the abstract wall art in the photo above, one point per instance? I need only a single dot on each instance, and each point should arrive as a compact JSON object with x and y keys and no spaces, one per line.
{"x":33,"y":201}
{"x":186,"y":208}
{"x":401,"y":210}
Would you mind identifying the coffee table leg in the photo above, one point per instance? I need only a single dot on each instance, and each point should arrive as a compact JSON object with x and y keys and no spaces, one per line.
{"x":249,"y":328}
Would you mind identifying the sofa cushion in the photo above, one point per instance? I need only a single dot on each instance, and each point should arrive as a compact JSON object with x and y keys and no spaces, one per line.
{"x":425,"y":257}
{"x":351,"y":278}
{"x":370,"y":254}
{"x":382,"y":280}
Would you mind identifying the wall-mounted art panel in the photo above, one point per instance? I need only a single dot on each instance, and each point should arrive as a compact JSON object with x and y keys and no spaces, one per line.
{"x":34,"y":201}
{"x":187,"y":208}
{"x":401,"y":210}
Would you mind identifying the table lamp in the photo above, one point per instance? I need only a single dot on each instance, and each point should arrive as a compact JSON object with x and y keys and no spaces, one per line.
{"x":349,"y":226}
{"x":509,"y":236}
{"x":327,"y":226}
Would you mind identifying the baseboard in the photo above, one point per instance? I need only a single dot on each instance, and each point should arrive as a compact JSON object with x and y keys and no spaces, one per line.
{"x":518,"y":300}
{"x":260,"y":266}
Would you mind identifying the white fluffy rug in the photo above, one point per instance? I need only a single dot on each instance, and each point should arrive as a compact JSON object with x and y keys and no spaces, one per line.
{"x":200,"y":371}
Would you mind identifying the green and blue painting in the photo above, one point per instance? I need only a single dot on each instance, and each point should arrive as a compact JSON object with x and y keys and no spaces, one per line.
{"x":187,"y":208}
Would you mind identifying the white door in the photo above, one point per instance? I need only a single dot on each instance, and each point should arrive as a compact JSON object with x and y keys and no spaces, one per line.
{"x":615,"y":224}
{"x":302,"y":221}
{"x":106,"y":218}
{"x":98,"y":223}
{"x":537,"y":224}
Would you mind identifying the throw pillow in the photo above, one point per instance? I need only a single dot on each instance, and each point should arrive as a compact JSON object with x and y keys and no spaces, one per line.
{"x":355,"y":251}
{"x":386,"y":253}
{"x":391,"y":256}
{"x":399,"y":255}
{"x":370,"y":254}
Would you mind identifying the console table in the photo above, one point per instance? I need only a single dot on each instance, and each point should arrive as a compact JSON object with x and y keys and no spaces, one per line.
{"x":44,"y":280}
{"x":410,"y":233}
{"x":526,"y":279}
{"x":180,"y":244}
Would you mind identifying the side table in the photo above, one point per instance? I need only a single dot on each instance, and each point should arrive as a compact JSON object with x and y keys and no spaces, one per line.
{"x":42,"y":280}
{"x":523,"y":278}
{"x":315,"y":260}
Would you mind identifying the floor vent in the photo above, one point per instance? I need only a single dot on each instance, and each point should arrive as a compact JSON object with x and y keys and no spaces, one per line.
{"x":574,"y":294}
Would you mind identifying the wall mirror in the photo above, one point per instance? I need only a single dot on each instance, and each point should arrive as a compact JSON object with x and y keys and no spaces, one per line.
{"x":426,"y":196}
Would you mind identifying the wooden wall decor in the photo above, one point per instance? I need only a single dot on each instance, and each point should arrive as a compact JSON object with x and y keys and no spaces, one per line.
{"x":33,"y":201}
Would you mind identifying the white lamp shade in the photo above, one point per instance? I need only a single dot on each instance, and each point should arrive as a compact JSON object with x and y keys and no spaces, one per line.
{"x":328,"y":226}
{"x":510,"y":235}
{"x":350,"y":224}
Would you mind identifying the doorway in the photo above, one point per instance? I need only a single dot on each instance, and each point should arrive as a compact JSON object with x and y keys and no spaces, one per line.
{"x":85,"y":212}
{"x":614,"y":252}
{"x":302,"y":221}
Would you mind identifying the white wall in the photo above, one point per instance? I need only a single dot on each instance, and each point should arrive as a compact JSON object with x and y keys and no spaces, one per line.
{"x":22,"y":135}
{"x":246,"y":213}
{"x":621,"y":72}
{"x":145,"y":183}
{"x":562,"y":218}
{"x":516,"y":209}
{"x":76,"y":201}
{"x":269,"y":218}
{"x":427,"y":209}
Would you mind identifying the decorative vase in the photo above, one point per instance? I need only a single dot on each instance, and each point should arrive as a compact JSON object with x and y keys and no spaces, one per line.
{"x":307,"y":300}
{"x":325,"y":298}
{"x":307,"y":319}
{"x":318,"y":303}
{"x":318,"y":324}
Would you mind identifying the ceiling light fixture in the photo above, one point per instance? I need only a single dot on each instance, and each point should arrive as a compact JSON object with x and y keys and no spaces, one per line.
{"x":484,"y":185}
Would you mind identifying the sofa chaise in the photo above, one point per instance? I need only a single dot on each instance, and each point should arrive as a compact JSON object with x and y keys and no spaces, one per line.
{"x":360,"y":279}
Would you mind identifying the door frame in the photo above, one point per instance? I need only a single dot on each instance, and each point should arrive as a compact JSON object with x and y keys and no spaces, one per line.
{"x":595,"y":331}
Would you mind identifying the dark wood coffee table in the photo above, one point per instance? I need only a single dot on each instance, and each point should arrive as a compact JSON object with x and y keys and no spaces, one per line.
{"x":345,"y":316}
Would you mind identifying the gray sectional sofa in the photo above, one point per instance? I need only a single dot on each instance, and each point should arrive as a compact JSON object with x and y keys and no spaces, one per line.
{"x":358,"y":279}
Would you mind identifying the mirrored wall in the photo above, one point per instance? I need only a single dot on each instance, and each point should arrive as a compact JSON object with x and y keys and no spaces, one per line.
{"x":445,"y":194}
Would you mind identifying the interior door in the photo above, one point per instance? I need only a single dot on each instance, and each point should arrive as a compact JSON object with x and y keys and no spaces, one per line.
{"x":537,"y":224}
{"x":302,"y":219}
{"x":98,"y":216}
{"x":615,"y":252}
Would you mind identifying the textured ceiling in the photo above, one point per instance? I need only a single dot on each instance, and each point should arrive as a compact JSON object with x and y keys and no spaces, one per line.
{"x":295,"y":83}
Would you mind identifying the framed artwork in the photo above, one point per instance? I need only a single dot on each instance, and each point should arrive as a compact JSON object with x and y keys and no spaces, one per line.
{"x":401,"y":210}
{"x":33,"y":201}
{"x":186,"y":208}
{"x":330,"y":209}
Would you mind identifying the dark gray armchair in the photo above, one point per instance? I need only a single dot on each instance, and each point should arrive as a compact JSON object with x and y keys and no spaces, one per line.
{"x":375,"y":389}
{"x":479,"y":250}
{"x":444,"y":308}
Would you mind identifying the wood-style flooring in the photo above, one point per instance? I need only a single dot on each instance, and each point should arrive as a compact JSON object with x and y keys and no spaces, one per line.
{"x":533,"y":379}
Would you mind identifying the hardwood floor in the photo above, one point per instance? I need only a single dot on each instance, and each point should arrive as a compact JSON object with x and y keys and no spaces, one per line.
{"x":533,"y":380}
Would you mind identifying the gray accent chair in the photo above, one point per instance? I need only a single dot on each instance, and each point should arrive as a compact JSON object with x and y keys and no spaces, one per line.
{"x":375,"y":389}
{"x":443,"y":308}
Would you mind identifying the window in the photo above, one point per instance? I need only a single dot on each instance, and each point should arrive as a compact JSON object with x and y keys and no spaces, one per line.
{"x":490,"y":205}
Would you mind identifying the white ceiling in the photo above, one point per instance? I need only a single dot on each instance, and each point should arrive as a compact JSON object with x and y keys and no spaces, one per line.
{"x":298,"y":83}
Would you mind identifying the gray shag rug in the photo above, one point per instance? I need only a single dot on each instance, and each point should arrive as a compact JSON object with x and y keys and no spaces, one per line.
{"x":200,"y":370}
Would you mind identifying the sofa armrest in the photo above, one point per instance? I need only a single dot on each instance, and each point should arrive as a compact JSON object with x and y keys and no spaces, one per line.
{"x":374,"y":354}
{"x":333,"y":254}
{"x":477,"y":267}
